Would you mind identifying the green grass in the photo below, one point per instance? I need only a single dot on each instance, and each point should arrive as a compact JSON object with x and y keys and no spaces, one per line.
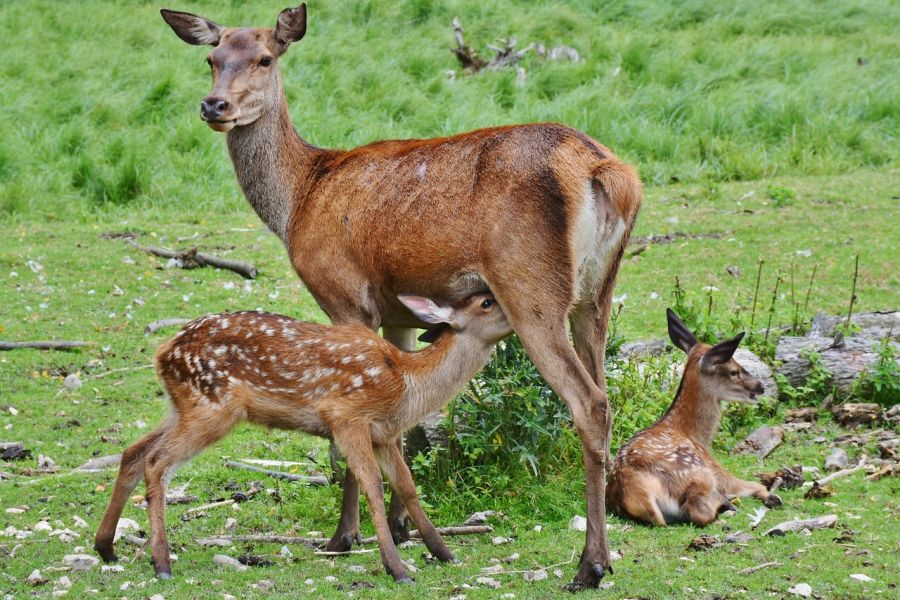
{"x":751,"y":121}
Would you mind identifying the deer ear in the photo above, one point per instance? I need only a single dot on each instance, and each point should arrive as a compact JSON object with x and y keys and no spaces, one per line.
{"x":680,"y":335}
{"x":193,"y":29}
{"x":721,"y":352}
{"x":291,"y":27}
{"x":427,"y":310}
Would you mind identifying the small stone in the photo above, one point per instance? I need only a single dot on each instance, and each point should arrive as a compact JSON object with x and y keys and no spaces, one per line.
{"x":15,"y":511}
{"x":309,"y":582}
{"x":578,"y":523}
{"x":125,"y":586}
{"x":80,"y":562}
{"x":59,"y":593}
{"x":79,"y":522}
{"x":488,"y":582}
{"x":230,"y":524}
{"x":64,"y":582}
{"x":861,"y":577}
{"x":72,"y":381}
{"x":492,"y":570}
{"x":538,"y":528}
{"x":356,"y":569}
{"x":226,"y":561}
{"x":535,"y":575}
{"x":497,"y":541}
{"x":35,"y":578}
{"x":508,"y":595}
{"x":43,"y":526}
{"x":157,"y":597}
{"x":801,"y":589}
{"x":124,"y":526}
{"x":458,"y":597}
{"x":263,"y":585}
{"x":512,"y":557}
{"x":837,"y":460}
{"x":228,"y":597}
{"x":558,"y":573}
{"x":286,"y":552}
{"x":330,"y":578}
{"x":112,"y":569}
{"x":605,"y":585}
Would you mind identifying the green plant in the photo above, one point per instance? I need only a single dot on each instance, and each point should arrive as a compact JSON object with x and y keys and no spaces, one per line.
{"x":818,"y":385}
{"x":780,"y":196}
{"x":881,"y":382}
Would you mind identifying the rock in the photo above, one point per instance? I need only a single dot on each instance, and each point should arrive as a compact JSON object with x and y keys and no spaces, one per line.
{"x":72,"y":381}
{"x":157,"y":597}
{"x":558,"y":573}
{"x":478,"y":518}
{"x":578,"y":523}
{"x":861,"y":577}
{"x":263,"y":585}
{"x":837,"y":460}
{"x":59,"y":593}
{"x":46,"y":464}
{"x":112,"y":569}
{"x":488,"y":582}
{"x":286,"y":552}
{"x":855,"y":413}
{"x":230,"y":524}
{"x":704,"y":542}
{"x":35,"y":578}
{"x":43,"y":526}
{"x":356,"y":569}
{"x":492,"y":570}
{"x":876,"y":325}
{"x":14,"y":510}
{"x":226,"y":561}
{"x":761,"y":442}
{"x":64,"y":582}
{"x":642,"y":348}
{"x":801,"y":589}
{"x":739,"y":537}
{"x":429,"y":433}
{"x":100,"y":463}
{"x":535,"y":575}
{"x":79,"y":522}
{"x":80,"y":562}
{"x":892,"y":415}
{"x":124,"y":526}
{"x":500,"y":540}
{"x":760,"y":370}
{"x":791,"y":477}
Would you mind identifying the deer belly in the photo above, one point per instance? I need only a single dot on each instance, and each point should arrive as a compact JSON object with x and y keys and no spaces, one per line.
{"x":287,"y":416}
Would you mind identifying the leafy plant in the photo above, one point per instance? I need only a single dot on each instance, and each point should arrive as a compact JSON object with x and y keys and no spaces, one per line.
{"x":881,"y":382}
{"x":781,"y":196}
{"x":818,"y":385}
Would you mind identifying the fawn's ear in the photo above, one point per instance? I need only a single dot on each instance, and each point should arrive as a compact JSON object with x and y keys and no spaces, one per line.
{"x":680,"y":335}
{"x":291,"y":27}
{"x":427,"y":310}
{"x":720,"y":353}
{"x":193,"y":29}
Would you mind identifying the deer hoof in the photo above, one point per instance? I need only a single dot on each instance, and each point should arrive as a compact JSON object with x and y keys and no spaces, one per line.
{"x":405,"y":580}
{"x":164,"y":575}
{"x":773,"y":501}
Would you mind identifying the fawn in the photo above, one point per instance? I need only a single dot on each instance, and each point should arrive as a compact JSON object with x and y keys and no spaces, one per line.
{"x":340,"y":382}
{"x":666,"y":474}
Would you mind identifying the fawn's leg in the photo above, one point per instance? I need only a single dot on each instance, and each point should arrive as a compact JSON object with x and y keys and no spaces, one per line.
{"x":356,"y":444}
{"x":131,"y":469}
{"x":700,"y":501}
{"x":395,"y":469}
{"x":730,"y":485}
{"x":184,"y":440}
{"x":639,"y":497}
{"x":398,"y":517}
{"x":348,"y":526}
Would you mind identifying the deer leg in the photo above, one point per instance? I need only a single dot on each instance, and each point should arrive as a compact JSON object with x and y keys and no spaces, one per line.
{"x":398,"y":517}
{"x":701,"y":501}
{"x":401,"y":480}
{"x":733,"y":486}
{"x":356,"y":444}
{"x":183,"y":441}
{"x":348,"y":526}
{"x":547,"y":343}
{"x":131,"y":469}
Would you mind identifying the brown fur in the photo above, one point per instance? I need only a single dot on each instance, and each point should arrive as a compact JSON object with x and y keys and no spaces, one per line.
{"x":667,"y":474}
{"x":340,"y":382}
{"x":537,"y":214}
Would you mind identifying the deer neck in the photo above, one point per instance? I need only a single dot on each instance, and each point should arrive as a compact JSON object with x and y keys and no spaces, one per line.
{"x":437,"y":373}
{"x":271,"y":162}
{"x":695,"y":412}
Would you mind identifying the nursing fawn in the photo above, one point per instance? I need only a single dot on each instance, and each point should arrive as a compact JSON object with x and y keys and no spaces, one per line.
{"x":667,"y":474}
{"x":340,"y":382}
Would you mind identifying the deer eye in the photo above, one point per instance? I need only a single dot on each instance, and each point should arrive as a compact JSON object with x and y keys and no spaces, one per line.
{"x":733,"y":373}
{"x":265,"y":61}
{"x":487,"y":304}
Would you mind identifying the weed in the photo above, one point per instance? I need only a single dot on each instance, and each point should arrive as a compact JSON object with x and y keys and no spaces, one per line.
{"x":818,"y":385}
{"x":780,"y":196}
{"x":881,"y":382}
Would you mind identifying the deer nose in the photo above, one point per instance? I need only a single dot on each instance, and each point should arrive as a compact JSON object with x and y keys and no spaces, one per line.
{"x":212,"y":108}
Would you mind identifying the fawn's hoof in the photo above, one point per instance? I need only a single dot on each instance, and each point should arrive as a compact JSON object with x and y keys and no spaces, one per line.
{"x":106,"y":553}
{"x":342,"y":543}
{"x":399,"y":527}
{"x":588,"y":577}
{"x":773,"y":501}
{"x":405,"y":580}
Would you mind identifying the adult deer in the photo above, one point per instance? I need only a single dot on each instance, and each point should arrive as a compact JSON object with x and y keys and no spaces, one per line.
{"x":666,"y":473}
{"x":340,"y":382}
{"x":537,"y":214}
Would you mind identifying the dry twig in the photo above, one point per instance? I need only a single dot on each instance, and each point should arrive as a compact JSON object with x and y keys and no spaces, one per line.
{"x":45,"y":345}
{"x":191,"y":259}
{"x":310,"y":479}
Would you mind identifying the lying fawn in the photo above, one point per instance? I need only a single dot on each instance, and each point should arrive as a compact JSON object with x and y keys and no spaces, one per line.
{"x":666,"y":474}
{"x":340,"y":382}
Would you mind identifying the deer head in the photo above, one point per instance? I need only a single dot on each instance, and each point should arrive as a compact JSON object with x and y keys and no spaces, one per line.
{"x":244,"y":63}
{"x":722,"y":377}
{"x":477,"y":316}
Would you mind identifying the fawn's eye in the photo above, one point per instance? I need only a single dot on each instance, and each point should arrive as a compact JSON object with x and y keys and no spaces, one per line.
{"x":487,"y":304}
{"x":265,"y":61}
{"x":733,"y":373}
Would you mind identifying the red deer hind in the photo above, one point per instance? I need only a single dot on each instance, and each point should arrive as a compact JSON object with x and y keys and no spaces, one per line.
{"x":536,"y":214}
{"x":667,"y":474}
{"x":340,"y":382}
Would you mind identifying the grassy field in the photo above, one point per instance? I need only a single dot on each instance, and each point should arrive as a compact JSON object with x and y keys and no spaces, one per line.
{"x":766,"y":131}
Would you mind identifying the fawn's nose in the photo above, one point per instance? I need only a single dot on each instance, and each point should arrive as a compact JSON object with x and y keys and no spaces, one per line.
{"x":212,"y":108}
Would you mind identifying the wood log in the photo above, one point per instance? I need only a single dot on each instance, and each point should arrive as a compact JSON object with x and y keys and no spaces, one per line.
{"x":797,"y":525}
{"x":846,"y":359}
{"x":43,"y":345}
{"x":854,"y":413}
{"x":191,"y":259}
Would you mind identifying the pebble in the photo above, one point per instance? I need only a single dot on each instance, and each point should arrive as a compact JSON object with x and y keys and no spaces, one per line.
{"x":43,"y":526}
{"x":356,"y":569}
{"x":309,"y":582}
{"x":15,"y":511}
{"x":124,"y":526}
{"x":286,"y":552}
{"x":72,"y":381}
{"x":837,"y":460}
{"x":500,"y":540}
{"x":157,"y":597}
{"x":79,"y":522}
{"x":492,"y":569}
{"x":35,"y":578}
{"x":538,"y":528}
{"x":226,"y":561}
{"x":230,"y":524}
{"x":80,"y":562}
{"x":64,"y":582}
{"x":228,"y":597}
{"x":330,"y":578}
{"x":801,"y":589}
{"x":578,"y":523}
{"x":125,"y":586}
{"x":558,"y":573}
{"x":488,"y":582}
{"x":861,"y":577}
{"x":59,"y":593}
{"x":111,"y":568}
{"x":535,"y":575}
{"x":263,"y":585}
{"x":508,"y":596}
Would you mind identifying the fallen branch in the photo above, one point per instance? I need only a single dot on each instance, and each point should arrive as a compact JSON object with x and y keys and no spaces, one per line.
{"x":764,"y":565}
{"x":191,"y":259}
{"x":884,"y":471}
{"x":816,"y":523}
{"x":342,"y":552}
{"x":119,"y":370}
{"x":47,"y":345}
{"x":548,"y":567}
{"x":222,"y":540}
{"x":202,"y":507}
{"x":838,"y":474}
{"x":761,"y":442}
{"x":310,"y":479}
{"x":163,"y":323}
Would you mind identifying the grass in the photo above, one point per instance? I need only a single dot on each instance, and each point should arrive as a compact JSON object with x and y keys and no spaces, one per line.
{"x":751,"y":121}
